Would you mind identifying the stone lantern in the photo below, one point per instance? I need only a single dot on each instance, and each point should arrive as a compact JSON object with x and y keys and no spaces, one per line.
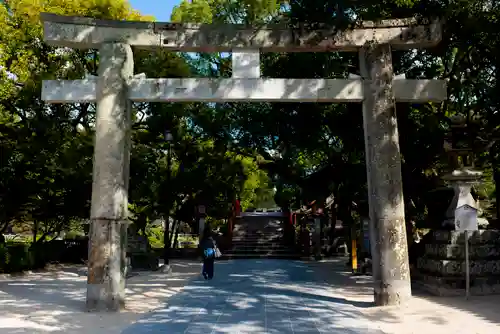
{"x":317,"y":213}
{"x":460,"y":145}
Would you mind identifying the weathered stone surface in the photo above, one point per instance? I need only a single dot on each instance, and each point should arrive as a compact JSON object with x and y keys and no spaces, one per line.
{"x":245,"y":64}
{"x":458,"y":251}
{"x":109,"y":213}
{"x":475,"y":237}
{"x":140,"y":253}
{"x":243,"y":90}
{"x":455,"y":286}
{"x":391,"y":272}
{"x":113,"y":130}
{"x":457,"y":267}
{"x":137,"y":244}
{"x":81,"y":32}
{"x":441,"y":270}
{"x":106,"y":265}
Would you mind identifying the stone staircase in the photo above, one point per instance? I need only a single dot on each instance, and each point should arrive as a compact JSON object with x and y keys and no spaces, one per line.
{"x":259,"y":237}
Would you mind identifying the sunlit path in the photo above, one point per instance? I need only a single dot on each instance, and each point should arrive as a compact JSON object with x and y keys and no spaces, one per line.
{"x":246,"y":296}
{"x":258,"y":296}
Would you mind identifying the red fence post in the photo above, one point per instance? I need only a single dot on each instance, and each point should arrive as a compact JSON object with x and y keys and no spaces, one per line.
{"x":237,"y":208}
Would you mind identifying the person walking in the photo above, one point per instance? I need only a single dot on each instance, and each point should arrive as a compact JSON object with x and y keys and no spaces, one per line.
{"x":210,"y":252}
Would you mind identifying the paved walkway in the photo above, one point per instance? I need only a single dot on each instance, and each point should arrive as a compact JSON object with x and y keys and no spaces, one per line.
{"x":246,"y":296}
{"x":258,"y":296}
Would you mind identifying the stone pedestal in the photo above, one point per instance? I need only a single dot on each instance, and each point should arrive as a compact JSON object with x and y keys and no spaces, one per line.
{"x":316,"y":237}
{"x":140,"y":253}
{"x":109,"y":212}
{"x":201,"y":227}
{"x":391,"y":272}
{"x":441,"y":271}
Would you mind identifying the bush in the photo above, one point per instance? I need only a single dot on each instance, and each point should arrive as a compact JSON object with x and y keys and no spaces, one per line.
{"x":3,"y":258}
{"x":16,"y":258}
{"x":41,"y":254}
{"x":74,"y":235}
{"x":144,"y":261}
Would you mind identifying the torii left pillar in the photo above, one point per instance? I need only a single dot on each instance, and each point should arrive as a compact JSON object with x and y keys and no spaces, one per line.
{"x":109,"y":212}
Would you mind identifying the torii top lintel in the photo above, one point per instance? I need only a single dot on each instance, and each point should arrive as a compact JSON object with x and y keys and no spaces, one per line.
{"x":87,"y":33}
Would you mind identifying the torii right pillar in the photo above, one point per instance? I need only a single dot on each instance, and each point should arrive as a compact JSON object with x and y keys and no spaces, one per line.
{"x":391,"y":272}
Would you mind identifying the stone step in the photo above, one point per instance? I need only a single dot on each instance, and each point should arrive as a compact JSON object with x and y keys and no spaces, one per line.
{"x":246,"y":233}
{"x":254,"y":233}
{"x":287,"y":256}
{"x":455,"y":286}
{"x":266,"y":235}
{"x":457,"y":267}
{"x":251,"y":234}
{"x":257,"y":241}
{"x":260,"y":251}
{"x":457,"y":251}
{"x":260,"y":231}
{"x":457,"y":237}
{"x":245,"y":238}
{"x":258,"y":226}
{"x":260,"y":246}
{"x":259,"y":238}
{"x":256,"y":244}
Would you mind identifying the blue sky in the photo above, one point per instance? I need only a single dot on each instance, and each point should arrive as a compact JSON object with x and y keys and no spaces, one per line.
{"x":160,"y":9}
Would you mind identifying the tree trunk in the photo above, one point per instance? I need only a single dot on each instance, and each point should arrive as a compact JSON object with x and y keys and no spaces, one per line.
{"x":166,"y":241}
{"x":176,"y":238}
{"x":333,"y":224}
{"x":35,"y":230}
{"x":2,"y":231}
{"x":172,"y":234}
{"x":496,"y":178}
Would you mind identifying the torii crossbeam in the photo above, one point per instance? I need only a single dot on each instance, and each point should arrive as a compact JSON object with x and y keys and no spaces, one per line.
{"x":88,"y":33}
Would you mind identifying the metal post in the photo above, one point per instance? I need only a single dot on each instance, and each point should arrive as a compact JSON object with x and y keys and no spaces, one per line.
{"x":201,"y":222}
{"x":467,"y":271}
{"x":354,"y":250}
{"x":166,"y":232}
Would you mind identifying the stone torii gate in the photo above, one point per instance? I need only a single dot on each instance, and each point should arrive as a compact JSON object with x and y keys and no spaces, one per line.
{"x":115,"y":88}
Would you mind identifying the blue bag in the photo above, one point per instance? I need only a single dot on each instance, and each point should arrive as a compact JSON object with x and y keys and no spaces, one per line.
{"x":209,"y":253}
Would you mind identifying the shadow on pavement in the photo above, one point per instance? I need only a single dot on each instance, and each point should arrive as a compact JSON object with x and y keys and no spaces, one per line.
{"x":258,"y":296}
{"x":53,"y":301}
{"x":246,"y":296}
{"x":428,"y":313}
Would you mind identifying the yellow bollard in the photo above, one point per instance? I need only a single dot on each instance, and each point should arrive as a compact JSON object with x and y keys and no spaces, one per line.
{"x":354,"y":250}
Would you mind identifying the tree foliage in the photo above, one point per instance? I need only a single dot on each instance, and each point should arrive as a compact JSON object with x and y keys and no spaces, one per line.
{"x":224,"y":151}
{"x":312,"y":150}
{"x":46,"y":150}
